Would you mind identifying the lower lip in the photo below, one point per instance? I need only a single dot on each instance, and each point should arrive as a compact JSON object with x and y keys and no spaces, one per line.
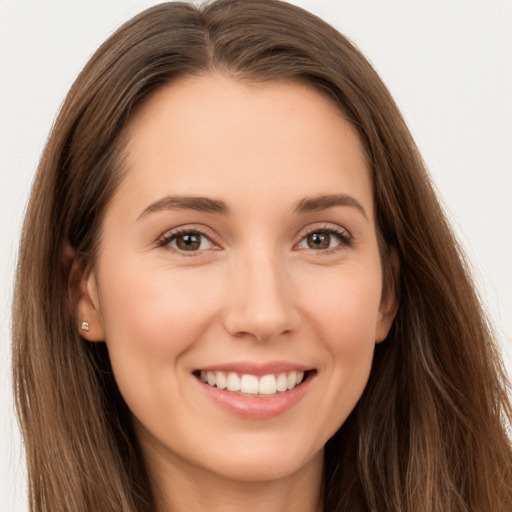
{"x":257,"y":407}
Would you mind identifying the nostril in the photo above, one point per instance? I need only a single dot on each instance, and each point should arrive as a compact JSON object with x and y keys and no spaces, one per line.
{"x":262,"y":310}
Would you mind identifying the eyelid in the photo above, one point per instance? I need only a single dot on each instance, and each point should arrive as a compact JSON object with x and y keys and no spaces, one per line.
{"x":165,"y":238}
{"x":346,"y":238}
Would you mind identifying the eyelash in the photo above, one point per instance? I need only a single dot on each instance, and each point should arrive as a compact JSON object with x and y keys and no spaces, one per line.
{"x":168,"y":237}
{"x":344,"y":237}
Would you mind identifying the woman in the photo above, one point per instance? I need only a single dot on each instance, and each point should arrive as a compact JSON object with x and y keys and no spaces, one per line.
{"x":243,"y":294}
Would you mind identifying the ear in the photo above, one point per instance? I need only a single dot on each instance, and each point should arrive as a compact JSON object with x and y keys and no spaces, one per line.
{"x":389,"y":300}
{"x":84,"y":295}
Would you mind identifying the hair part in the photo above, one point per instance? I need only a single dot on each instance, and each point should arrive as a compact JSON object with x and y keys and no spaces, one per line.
{"x":429,"y":432}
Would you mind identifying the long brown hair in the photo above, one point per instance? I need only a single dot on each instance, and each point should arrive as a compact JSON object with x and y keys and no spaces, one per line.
{"x":430,"y":431}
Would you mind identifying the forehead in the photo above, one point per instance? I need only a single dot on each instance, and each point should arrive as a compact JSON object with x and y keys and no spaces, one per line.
{"x":214,"y":135}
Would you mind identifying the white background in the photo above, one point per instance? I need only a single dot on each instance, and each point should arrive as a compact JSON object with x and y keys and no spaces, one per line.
{"x":447,"y":62}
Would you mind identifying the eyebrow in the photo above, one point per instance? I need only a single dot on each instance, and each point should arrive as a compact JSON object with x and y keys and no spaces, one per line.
{"x":208,"y":205}
{"x":198,"y":204}
{"x":318,"y":203}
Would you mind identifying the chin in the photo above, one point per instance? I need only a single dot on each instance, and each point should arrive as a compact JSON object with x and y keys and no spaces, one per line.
{"x":264,"y":461}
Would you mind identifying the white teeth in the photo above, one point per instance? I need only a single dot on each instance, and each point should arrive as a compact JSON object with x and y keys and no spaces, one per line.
{"x":268,"y":385}
{"x":220,"y":380}
{"x":251,"y":384}
{"x":282,"y":382}
{"x":292,"y":380}
{"x":233,"y":382}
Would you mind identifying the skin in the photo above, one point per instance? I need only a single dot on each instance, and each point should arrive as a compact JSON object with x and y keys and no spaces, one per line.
{"x":256,"y":290}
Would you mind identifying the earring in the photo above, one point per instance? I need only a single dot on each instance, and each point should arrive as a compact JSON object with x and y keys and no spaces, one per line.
{"x":84,"y":326}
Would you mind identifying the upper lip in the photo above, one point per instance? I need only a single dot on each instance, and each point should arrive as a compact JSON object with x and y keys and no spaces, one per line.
{"x":258,"y":369}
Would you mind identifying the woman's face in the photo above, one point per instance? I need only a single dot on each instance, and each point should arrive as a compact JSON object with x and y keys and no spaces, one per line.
{"x":240,"y":248}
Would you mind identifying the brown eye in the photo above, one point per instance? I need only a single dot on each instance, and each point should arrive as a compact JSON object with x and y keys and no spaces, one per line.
{"x":189,"y":241}
{"x":318,"y":240}
{"x":324,"y":239}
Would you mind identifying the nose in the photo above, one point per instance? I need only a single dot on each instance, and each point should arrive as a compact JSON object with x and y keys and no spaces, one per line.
{"x":260,"y":299}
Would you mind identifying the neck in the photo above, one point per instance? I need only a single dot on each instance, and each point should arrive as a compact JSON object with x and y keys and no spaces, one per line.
{"x":182,"y":487}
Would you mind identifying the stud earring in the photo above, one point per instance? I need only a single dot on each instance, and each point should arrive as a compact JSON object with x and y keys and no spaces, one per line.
{"x":84,"y":326}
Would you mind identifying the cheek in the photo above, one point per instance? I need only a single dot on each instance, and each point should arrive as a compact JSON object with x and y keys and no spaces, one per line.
{"x":153,"y":317}
{"x":153,"y":314}
{"x":346,"y":315}
{"x":351,"y":340}
{"x":345,"y":308}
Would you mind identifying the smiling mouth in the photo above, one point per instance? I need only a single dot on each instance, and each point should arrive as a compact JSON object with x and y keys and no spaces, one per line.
{"x":252,"y":385}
